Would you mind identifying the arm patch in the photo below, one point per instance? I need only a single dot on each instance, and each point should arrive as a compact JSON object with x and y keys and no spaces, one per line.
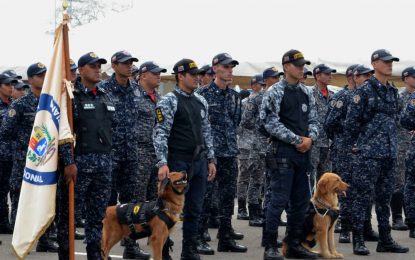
{"x":159,"y":116}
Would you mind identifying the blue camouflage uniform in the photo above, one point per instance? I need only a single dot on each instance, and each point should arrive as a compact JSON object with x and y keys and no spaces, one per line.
{"x":288,"y":112}
{"x":17,"y":126}
{"x":372,"y":116}
{"x":124,"y":176}
{"x":6,"y":164}
{"x":171,"y":140}
{"x":407,"y":121}
{"x":224,"y":117}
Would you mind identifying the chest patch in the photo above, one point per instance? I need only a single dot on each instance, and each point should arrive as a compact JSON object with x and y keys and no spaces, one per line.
{"x":88,"y":106}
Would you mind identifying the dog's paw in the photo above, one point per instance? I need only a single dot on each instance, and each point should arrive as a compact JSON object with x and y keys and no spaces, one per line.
{"x":338,"y":255}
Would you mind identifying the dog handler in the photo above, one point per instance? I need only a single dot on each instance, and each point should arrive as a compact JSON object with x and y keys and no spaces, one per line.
{"x":183,"y":142}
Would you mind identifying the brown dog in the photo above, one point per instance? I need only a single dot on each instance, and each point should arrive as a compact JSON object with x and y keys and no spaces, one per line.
{"x":323,"y":215}
{"x":169,"y":204}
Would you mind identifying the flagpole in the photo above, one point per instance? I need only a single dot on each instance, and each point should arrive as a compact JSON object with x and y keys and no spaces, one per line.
{"x":71,"y":189}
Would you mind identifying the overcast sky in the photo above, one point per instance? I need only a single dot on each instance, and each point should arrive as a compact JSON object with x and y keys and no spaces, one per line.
{"x":345,"y":31}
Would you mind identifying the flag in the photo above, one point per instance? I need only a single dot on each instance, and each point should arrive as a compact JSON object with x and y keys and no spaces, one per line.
{"x":36,"y":208}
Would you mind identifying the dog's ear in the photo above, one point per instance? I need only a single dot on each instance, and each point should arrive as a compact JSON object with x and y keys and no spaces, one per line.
{"x":162,"y":185}
{"x":322,"y":185}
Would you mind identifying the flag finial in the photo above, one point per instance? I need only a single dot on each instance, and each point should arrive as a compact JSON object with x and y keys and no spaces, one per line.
{"x":65,"y":5}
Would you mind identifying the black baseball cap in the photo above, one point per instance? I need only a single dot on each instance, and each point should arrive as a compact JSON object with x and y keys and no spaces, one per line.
{"x":20,"y":84}
{"x":206,"y":69}
{"x":122,"y":56}
{"x":307,"y":72}
{"x":362,"y":70}
{"x":36,"y":69}
{"x":224,"y":59}
{"x":186,"y":65}
{"x":257,"y":79}
{"x":152,"y":67}
{"x":384,"y":55}
{"x":322,"y":68}
{"x":349,"y":70}
{"x":72,"y":65}
{"x":271,"y":72}
{"x":408,"y":72}
{"x":13,"y":74}
{"x":90,"y":58}
{"x":7,"y":79}
{"x":295,"y":57}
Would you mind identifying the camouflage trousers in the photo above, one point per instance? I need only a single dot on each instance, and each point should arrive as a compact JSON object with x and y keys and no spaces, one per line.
{"x":5,"y":172}
{"x":320,"y":161}
{"x":226,"y":176}
{"x":373,"y":181}
{"x":409,"y":189}
{"x":124,"y":182}
{"x":16,"y":179}
{"x":250,"y":181}
{"x":147,"y":175}
{"x":344,"y":165}
{"x":399,"y":172}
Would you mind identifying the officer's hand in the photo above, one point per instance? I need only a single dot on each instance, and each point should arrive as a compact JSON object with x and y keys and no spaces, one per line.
{"x":305,"y":145}
{"x":211,"y":171}
{"x":355,"y":149}
{"x":70,"y":172}
{"x":163,"y":172}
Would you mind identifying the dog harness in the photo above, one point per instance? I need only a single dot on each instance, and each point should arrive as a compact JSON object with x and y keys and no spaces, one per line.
{"x":132,"y":214}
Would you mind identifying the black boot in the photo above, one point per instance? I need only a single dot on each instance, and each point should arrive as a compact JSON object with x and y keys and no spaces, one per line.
{"x":93,"y":251}
{"x":133,"y":251}
{"x":168,"y":246}
{"x":369,"y":234}
{"x":271,"y":249}
{"x":295,"y":248}
{"x":189,"y":250}
{"x":254,"y":218}
{"x":234,"y":234}
{"x":283,"y":223}
{"x":227,"y":243}
{"x":80,"y":223}
{"x":242,"y":213}
{"x":396,"y":209}
{"x":411,"y":229}
{"x":203,"y":248}
{"x":387,"y":244}
{"x":338,"y":227}
{"x":359,"y":247}
{"x":45,"y":244}
{"x":344,"y":236}
{"x":79,"y":235}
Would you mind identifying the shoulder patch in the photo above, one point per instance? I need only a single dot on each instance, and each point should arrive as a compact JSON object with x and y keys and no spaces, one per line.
{"x":356,"y":99}
{"x":249,"y":106}
{"x":412,"y":102}
{"x":332,"y":103}
{"x":12,"y":113}
{"x":159,"y":115}
{"x":339,"y":104}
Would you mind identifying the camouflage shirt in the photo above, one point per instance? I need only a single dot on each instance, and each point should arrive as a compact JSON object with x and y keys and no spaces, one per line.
{"x":404,"y":137}
{"x":167,"y":106}
{"x":146,"y":118}
{"x":322,"y":104}
{"x":5,"y":144}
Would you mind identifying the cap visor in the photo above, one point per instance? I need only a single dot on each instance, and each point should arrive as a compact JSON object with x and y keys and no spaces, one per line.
{"x":229,"y":61}
{"x":158,"y":70}
{"x":329,"y":71}
{"x":388,"y":58}
{"x":194,"y":71}
{"x":100,"y":60}
{"x":301,"y":62}
{"x":127,"y":59}
{"x":9,"y":80}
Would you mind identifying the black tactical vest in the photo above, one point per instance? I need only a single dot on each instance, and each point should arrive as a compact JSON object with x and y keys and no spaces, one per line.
{"x":294,"y":110}
{"x":94,"y":133}
{"x":186,"y":132}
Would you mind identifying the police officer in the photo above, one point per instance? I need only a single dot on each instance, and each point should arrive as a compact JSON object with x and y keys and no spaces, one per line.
{"x":224,"y":116}
{"x":341,"y":152}
{"x":6,"y":162}
{"x":271,"y":76}
{"x":407,"y":121}
{"x":93,"y":112}
{"x":19,"y":89}
{"x":320,"y":151}
{"x":289,"y":115}
{"x":206,"y":75}
{"x":372,"y":117}
{"x":404,"y":139}
{"x":306,"y":73}
{"x":74,"y":69}
{"x":125,"y":182}
{"x":17,"y":127}
{"x":183,"y":142}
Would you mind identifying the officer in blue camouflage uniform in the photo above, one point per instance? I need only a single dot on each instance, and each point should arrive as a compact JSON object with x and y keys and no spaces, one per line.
{"x":224,"y":116}
{"x":125,"y":182}
{"x":404,"y":140}
{"x":408,"y":122}
{"x":341,"y":148}
{"x":6,"y":162}
{"x":289,"y":116}
{"x":320,"y":152}
{"x":19,"y":88}
{"x":206,"y":75}
{"x":17,"y":126}
{"x":256,"y":160}
{"x":183,"y":142}
{"x":372,"y":116}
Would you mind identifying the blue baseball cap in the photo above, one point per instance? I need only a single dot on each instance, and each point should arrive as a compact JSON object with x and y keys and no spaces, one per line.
{"x":7,"y":79}
{"x":362,"y":70}
{"x":36,"y":69}
{"x":322,"y":68}
{"x":307,"y":72}
{"x":122,"y":56}
{"x":152,"y":67}
{"x":72,"y":65}
{"x":207,"y":69}
{"x":20,"y":84}
{"x":271,"y":72}
{"x":349,"y":70}
{"x":257,"y":79}
{"x":90,"y":58}
{"x":408,"y":72}
{"x":224,"y":59}
{"x":384,"y":55}
{"x":13,"y":74}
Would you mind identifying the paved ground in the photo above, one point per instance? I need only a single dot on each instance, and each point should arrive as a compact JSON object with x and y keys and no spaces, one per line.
{"x":252,"y":240}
